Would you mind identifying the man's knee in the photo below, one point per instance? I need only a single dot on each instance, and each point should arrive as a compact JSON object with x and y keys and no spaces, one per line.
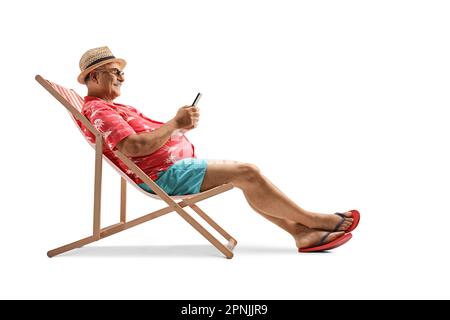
{"x":249,"y":172}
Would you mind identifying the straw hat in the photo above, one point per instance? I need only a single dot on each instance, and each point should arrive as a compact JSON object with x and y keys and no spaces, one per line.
{"x":95,"y":58}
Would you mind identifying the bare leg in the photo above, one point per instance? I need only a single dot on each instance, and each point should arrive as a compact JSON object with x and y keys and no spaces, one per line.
{"x":304,"y":237}
{"x":264,"y":197}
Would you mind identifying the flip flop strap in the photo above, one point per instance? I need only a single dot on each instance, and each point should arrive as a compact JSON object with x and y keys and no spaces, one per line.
{"x":321,"y":242}
{"x":340,"y":222}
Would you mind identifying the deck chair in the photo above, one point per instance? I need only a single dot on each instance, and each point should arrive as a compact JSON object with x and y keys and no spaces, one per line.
{"x":73,"y":103}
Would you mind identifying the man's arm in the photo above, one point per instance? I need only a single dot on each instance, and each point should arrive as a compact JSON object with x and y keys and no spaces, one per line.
{"x":142,"y":144}
{"x":138,"y":145}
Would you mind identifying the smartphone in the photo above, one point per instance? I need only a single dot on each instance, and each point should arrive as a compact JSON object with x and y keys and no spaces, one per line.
{"x":199,"y":95}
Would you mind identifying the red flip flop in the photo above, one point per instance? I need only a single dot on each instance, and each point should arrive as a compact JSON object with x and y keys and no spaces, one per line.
{"x":355,"y":215}
{"x":329,"y":245}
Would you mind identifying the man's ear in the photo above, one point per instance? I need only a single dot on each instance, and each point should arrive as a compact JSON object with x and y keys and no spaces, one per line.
{"x":93,"y":76}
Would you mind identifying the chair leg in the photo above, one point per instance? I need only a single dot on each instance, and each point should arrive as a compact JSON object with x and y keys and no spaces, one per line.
{"x":123,"y":200}
{"x":70,"y":246}
{"x":97,"y":188}
{"x":213,"y":224}
{"x":225,"y":249}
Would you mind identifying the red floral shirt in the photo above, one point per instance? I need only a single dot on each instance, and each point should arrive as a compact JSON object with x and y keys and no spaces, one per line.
{"x":117,"y":121}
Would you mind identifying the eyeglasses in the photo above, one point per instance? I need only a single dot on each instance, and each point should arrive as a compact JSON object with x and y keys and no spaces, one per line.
{"x":115,"y":71}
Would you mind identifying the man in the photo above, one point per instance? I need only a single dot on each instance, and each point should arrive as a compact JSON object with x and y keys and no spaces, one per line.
{"x":163,"y":152}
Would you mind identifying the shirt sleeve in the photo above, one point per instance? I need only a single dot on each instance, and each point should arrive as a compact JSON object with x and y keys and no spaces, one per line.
{"x":109,"y":123}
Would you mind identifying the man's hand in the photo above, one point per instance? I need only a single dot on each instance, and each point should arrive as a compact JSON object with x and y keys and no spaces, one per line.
{"x":187,"y":117}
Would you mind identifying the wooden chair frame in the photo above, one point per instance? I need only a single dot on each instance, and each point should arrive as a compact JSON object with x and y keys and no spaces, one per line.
{"x":172,"y":204}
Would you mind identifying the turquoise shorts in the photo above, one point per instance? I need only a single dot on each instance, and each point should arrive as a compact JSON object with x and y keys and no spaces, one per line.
{"x":183,"y":177}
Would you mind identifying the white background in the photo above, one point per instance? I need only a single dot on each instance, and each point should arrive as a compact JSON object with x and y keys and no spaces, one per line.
{"x":342,"y":104}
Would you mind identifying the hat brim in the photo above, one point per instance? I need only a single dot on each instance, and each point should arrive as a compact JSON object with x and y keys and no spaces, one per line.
{"x":84,"y":73}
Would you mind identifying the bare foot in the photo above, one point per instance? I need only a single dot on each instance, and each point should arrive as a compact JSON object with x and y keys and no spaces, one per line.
{"x":306,"y":237}
{"x":330,"y":221}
